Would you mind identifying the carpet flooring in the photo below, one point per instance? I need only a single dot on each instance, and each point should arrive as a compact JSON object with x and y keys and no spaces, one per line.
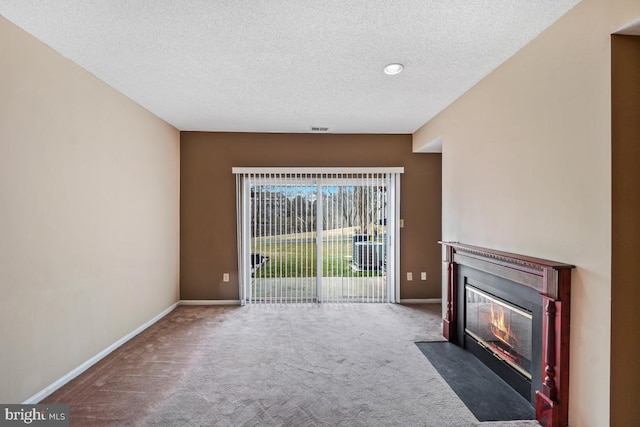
{"x":292,"y":365}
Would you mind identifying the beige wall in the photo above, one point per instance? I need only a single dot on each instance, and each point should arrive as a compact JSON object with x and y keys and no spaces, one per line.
{"x":89,"y":215}
{"x":527,"y":169}
{"x":625,"y":249}
{"x":208,"y":209}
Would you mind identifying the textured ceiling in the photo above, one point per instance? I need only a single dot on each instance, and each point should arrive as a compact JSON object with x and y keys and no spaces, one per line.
{"x":286,"y":65}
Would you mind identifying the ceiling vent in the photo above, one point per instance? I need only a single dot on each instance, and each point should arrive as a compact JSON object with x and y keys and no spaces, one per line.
{"x":319,"y":129}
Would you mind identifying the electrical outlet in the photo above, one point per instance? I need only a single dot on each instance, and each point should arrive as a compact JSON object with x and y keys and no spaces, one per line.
{"x":423,"y":275}
{"x":225,"y":277}
{"x":409,"y":276}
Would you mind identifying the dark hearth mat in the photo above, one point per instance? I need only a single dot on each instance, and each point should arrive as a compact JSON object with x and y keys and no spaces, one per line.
{"x":485,"y":394}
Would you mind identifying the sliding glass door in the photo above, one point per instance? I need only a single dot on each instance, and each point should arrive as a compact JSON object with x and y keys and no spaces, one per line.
{"x":309,"y":235}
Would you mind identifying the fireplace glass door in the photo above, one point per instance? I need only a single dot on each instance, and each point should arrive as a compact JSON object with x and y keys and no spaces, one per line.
{"x":500,"y":327}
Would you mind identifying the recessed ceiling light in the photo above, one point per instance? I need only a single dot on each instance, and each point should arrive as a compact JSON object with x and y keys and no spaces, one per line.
{"x":393,"y":69}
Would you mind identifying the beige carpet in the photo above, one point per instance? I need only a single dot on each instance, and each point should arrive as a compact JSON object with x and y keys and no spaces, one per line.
{"x":311,"y":365}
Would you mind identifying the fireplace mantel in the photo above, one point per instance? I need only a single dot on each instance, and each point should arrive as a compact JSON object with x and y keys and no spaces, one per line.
{"x":552,"y":282}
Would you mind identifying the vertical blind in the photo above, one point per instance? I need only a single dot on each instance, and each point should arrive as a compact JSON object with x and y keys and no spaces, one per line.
{"x":309,"y":235}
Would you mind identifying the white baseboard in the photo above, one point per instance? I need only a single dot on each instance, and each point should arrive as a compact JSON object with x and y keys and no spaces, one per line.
{"x":95,"y":359}
{"x":209,"y":302}
{"x":422,"y":301}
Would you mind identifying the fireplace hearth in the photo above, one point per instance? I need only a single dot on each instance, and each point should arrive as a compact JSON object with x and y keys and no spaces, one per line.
{"x":512,"y":313}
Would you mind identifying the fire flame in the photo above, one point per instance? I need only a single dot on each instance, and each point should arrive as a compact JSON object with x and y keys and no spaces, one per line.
{"x":501,"y":328}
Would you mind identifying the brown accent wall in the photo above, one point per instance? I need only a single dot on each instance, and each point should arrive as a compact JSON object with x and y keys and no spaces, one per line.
{"x":208,"y":204}
{"x":625,"y":239}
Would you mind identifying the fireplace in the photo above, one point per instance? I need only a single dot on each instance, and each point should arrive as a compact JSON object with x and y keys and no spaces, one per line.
{"x":502,"y":328}
{"x":512,"y":313}
{"x":500,"y":322}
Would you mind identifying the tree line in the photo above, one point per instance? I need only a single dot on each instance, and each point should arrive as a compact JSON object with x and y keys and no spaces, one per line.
{"x":276,"y":211}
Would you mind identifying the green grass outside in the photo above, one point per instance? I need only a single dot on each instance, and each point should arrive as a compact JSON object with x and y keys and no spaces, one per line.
{"x":298,"y":259}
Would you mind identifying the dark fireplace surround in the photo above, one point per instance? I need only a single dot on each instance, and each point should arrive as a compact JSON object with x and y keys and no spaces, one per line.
{"x":535,"y":289}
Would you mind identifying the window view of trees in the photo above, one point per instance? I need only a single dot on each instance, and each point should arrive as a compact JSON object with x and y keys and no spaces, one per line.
{"x":289,"y":210}
{"x":284,"y":220}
